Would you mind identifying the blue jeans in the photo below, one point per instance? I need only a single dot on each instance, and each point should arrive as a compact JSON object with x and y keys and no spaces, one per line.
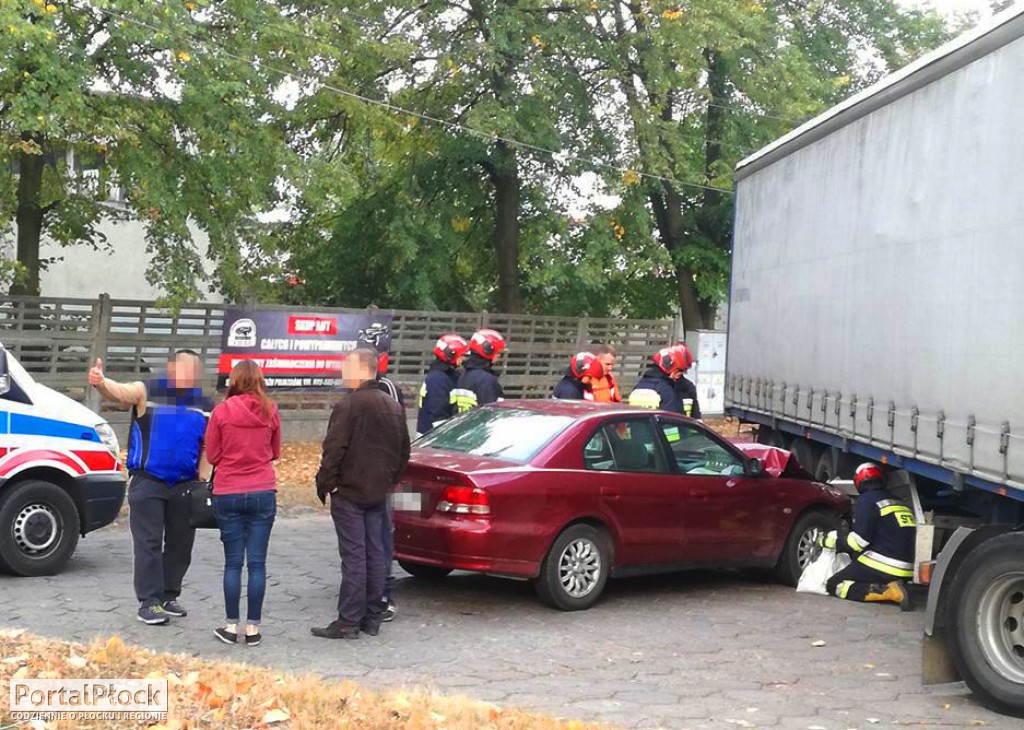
{"x":245,"y":521}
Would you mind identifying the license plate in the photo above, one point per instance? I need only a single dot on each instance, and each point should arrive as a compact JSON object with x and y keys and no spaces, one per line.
{"x":407,"y":502}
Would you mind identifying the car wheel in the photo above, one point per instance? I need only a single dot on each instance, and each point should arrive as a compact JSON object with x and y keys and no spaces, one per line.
{"x":424,"y":572}
{"x":800,"y":544}
{"x":575,"y":570}
{"x":986,"y":621}
{"x":38,"y":528}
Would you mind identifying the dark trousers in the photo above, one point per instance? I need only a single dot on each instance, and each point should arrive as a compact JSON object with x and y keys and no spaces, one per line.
{"x":387,"y":538}
{"x":363,"y":568}
{"x":245,"y":521}
{"x":856,"y":581}
{"x":161,"y":538}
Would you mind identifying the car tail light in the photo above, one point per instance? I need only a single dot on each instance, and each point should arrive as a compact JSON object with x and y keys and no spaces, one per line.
{"x":460,"y":500}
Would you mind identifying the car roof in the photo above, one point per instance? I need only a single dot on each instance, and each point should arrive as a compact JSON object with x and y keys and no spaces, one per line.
{"x":578,"y":409}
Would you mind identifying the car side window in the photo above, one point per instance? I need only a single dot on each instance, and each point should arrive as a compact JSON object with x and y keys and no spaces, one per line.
{"x":630,"y":445}
{"x":695,"y":452}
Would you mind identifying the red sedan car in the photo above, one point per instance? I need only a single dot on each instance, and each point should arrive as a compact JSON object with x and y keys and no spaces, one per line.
{"x":570,"y":493}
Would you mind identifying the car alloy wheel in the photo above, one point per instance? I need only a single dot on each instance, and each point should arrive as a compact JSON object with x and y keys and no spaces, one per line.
{"x":806,"y":548}
{"x":579,"y":567}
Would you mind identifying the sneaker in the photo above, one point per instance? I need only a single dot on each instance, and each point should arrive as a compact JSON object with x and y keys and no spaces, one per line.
{"x":153,"y":615}
{"x":389,"y":613}
{"x":336,"y":630}
{"x":253,"y":639}
{"x":228,"y":637}
{"x":173,"y":608}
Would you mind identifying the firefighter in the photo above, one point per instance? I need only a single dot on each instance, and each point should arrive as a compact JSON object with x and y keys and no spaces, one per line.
{"x":436,"y":404}
{"x":578,"y":381}
{"x":605,"y":388}
{"x":685,"y":388}
{"x":657,"y":387}
{"x":881,"y":544}
{"x":478,"y":385}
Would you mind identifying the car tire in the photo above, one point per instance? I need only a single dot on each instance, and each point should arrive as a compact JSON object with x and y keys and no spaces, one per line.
{"x":575,"y":571}
{"x":39,"y":528}
{"x":986,"y":622}
{"x":424,"y":572}
{"x":801,"y":538}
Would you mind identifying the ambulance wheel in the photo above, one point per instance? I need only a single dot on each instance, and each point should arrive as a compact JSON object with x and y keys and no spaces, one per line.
{"x":38,"y":528}
{"x":986,"y":622}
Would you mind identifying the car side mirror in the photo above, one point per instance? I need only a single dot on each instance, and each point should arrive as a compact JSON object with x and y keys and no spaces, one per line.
{"x":755,"y":468}
{"x":5,"y":376}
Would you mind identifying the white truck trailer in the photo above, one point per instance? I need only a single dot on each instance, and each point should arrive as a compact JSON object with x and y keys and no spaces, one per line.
{"x":877,"y":312}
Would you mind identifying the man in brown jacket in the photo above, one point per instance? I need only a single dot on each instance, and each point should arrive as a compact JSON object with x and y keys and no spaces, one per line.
{"x":364,"y":455}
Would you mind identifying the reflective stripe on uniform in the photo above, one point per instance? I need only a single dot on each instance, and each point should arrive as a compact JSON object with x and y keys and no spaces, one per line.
{"x":464,"y":400}
{"x":687,"y":406}
{"x":896,"y":509}
{"x":887,"y":565}
{"x":843,"y":588}
{"x":856,"y":542}
{"x":423,"y":394}
{"x":645,"y":398}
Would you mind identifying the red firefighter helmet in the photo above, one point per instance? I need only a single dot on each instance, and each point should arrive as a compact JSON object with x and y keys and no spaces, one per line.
{"x":383,"y":362}
{"x":488,"y":344}
{"x":867,"y":472}
{"x":686,"y":355}
{"x":669,"y":359}
{"x":586,"y":364}
{"x":450,"y":348}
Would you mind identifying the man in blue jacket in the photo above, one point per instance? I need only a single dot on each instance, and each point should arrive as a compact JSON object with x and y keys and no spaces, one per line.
{"x":479,"y":385}
{"x":576,"y":383}
{"x":656,"y":389}
{"x":881,"y":544}
{"x":165,"y":447}
{"x":436,"y":404}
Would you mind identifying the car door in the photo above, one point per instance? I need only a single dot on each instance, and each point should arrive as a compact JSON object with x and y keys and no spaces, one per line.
{"x":728,"y":516}
{"x":637,"y":491}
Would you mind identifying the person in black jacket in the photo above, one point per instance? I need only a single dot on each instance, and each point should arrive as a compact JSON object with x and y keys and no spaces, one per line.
{"x":479,"y":385}
{"x":881,"y":544}
{"x":576,"y":383}
{"x":685,"y":388}
{"x":436,"y":404}
{"x":656,"y":389}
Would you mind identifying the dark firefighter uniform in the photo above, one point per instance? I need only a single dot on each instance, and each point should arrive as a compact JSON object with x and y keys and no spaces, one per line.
{"x":687,"y":393}
{"x":477,"y":386}
{"x":881,"y":544}
{"x":436,"y":405}
{"x":656,"y":390}
{"x":571,"y":388}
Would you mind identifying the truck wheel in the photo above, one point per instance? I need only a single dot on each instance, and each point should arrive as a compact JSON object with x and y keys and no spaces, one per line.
{"x":425,"y":572}
{"x":38,"y":528}
{"x":800,"y":544}
{"x":575,"y":571}
{"x":804,"y":452}
{"x":827,"y":467}
{"x":986,"y":620}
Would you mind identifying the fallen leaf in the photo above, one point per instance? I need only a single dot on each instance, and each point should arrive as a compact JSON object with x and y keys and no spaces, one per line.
{"x":20,"y":674}
{"x":278,"y":714}
{"x":20,"y":659}
{"x":76,"y":661}
{"x":819,"y":642}
{"x":11,"y":633}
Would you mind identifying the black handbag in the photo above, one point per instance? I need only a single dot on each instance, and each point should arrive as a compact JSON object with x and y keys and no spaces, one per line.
{"x":200,"y":505}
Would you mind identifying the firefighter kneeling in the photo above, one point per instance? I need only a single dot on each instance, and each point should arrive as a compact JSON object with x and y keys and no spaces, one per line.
{"x":881,"y":544}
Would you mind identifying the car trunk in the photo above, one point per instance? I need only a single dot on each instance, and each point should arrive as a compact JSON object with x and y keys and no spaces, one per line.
{"x":432,"y":471}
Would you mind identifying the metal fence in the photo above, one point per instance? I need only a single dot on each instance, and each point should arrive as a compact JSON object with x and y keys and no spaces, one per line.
{"x":56,"y":340}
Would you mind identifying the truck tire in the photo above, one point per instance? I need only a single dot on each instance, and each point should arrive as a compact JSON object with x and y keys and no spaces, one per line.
{"x":986,"y":622}
{"x":39,"y":528}
{"x":575,"y":571}
{"x":795,"y":553}
{"x":805,"y":453}
{"x":827,"y":467}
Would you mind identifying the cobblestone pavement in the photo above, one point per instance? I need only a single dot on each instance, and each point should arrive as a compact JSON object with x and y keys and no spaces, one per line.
{"x":698,"y":650}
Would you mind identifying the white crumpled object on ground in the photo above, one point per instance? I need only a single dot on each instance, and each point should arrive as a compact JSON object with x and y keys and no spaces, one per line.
{"x":819,"y":570}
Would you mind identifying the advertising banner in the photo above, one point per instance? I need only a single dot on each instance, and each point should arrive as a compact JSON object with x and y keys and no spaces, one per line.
{"x":301,"y":349}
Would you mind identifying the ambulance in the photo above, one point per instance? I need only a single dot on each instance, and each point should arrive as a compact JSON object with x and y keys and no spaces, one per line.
{"x":59,"y":473}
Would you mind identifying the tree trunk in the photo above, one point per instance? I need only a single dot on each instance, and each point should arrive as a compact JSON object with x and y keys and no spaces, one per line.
{"x":29,"y":219}
{"x":505,"y":176}
{"x":668,"y":215}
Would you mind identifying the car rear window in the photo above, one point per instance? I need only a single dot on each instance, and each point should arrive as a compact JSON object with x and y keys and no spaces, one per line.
{"x":512,"y":434}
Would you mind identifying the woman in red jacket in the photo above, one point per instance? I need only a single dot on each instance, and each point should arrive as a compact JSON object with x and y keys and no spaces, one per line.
{"x":242,"y":442}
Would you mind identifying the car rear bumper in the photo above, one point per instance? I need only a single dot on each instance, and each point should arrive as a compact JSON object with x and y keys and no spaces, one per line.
{"x":102,"y":497}
{"x":459,"y":544}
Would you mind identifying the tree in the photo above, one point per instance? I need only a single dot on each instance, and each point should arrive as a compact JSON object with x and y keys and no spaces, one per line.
{"x":699,"y":85}
{"x":163,"y":101}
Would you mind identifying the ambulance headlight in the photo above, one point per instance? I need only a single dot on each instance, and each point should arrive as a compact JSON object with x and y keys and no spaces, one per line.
{"x":109,"y":439}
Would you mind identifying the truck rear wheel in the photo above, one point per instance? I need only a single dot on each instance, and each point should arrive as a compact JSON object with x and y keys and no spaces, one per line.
{"x":38,"y":528}
{"x":986,"y":620}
